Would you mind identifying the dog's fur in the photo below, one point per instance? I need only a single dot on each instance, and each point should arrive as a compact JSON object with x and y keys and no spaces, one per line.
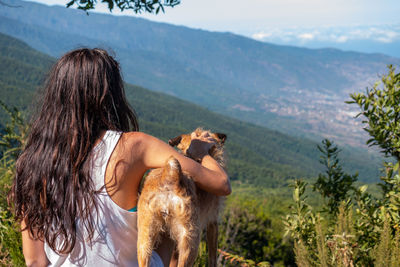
{"x":171,"y":203}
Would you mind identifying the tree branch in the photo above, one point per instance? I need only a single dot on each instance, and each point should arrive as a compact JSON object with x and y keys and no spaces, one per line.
{"x":138,"y":6}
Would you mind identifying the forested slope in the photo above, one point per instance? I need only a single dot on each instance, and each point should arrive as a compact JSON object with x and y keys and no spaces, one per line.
{"x":256,"y":155}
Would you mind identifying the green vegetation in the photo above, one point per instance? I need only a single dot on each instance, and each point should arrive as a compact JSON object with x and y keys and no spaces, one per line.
{"x":20,"y":73}
{"x":250,"y":230}
{"x":380,"y":106}
{"x":353,"y":228}
{"x":11,"y":142}
{"x":335,"y":184}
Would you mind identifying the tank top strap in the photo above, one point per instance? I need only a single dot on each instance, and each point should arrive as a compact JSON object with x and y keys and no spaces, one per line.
{"x":110,"y":141}
{"x":102,"y":156}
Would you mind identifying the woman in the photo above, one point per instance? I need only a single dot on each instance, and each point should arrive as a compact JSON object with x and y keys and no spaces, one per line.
{"x":78,"y":176}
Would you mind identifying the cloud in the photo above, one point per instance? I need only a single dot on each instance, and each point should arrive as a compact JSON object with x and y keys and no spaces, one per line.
{"x":306,"y":36}
{"x":261,"y":35}
{"x":342,"y":39}
{"x":377,"y":33}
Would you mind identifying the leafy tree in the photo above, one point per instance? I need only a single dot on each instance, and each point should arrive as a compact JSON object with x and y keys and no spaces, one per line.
{"x":138,"y":6}
{"x":380,"y":107}
{"x":300,"y":222}
{"x":335,"y":184}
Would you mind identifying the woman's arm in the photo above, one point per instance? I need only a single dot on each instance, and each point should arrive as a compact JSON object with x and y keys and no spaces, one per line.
{"x":33,"y":249}
{"x":208,"y":175}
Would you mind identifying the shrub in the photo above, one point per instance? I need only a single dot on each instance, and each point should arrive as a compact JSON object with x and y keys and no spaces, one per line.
{"x":11,"y":142}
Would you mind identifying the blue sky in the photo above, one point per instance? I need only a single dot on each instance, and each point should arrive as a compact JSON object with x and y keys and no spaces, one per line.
{"x":248,"y":15}
{"x":363,"y":25}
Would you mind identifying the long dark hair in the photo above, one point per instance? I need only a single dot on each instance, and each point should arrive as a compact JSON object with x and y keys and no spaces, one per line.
{"x":83,"y":96}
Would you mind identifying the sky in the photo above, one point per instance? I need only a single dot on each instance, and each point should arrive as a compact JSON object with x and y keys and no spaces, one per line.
{"x":252,"y":15}
{"x":363,"y":25}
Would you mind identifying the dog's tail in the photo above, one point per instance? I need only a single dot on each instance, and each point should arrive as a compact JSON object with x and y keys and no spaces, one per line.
{"x":172,"y":171}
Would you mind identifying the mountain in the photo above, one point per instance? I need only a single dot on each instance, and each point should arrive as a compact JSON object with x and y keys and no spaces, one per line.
{"x":295,"y":90}
{"x":256,"y":155}
{"x":21,"y":72}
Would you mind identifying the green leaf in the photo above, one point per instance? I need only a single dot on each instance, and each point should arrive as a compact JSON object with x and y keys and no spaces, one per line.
{"x":363,"y":188}
{"x":396,"y":166}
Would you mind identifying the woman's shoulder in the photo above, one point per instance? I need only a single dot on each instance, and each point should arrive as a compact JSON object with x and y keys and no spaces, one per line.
{"x":137,"y":137}
{"x":146,"y":146}
{"x":137,"y":140}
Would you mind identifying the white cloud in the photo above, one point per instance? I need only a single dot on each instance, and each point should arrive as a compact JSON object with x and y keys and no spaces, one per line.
{"x":361,"y":34}
{"x":261,"y":35}
{"x":306,"y":36}
{"x":379,"y":33}
{"x":342,"y":39}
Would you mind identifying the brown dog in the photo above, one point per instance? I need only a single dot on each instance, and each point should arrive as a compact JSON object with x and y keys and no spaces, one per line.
{"x":171,"y":203}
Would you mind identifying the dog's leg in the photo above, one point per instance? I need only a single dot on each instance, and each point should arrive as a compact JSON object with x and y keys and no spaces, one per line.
{"x":188,"y":248}
{"x":187,"y":242}
{"x":212,"y":243}
{"x":183,"y":246}
{"x":194,"y":249}
{"x":147,"y":236}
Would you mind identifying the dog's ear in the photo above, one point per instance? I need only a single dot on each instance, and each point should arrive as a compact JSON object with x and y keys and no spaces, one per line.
{"x":221,"y":137}
{"x":175,"y":141}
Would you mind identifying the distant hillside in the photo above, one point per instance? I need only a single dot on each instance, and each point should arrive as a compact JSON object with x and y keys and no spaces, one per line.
{"x":295,"y":90}
{"x":256,"y":155}
{"x":21,"y":72}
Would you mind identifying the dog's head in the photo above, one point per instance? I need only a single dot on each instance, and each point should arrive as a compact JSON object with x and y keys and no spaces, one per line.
{"x":182,"y":142}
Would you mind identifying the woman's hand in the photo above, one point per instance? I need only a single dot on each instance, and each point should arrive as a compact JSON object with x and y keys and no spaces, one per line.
{"x":200,"y":146}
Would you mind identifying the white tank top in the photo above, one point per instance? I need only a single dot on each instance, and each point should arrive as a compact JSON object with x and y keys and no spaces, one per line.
{"x":115,"y":237}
